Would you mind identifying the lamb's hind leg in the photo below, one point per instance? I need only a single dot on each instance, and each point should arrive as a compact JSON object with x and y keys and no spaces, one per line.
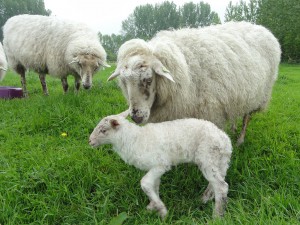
{"x":208,"y":194}
{"x":219,"y":186}
{"x":149,"y":185}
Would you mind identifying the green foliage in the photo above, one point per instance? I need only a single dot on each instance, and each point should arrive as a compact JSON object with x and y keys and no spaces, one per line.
{"x":280,"y":16}
{"x":148,"y":19}
{"x":243,"y":11}
{"x":111,"y":44}
{"x":197,"y":15}
{"x":46,"y":178}
{"x":9,"y":8}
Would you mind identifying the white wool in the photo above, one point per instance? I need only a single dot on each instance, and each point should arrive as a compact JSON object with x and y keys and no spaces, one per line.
{"x":3,"y":63}
{"x":221,"y":72}
{"x":48,"y":44}
{"x":156,"y":147}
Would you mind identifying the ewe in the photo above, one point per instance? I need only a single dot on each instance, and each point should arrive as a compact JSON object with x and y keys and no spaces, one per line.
{"x":157,"y":147}
{"x":52,"y":46}
{"x":218,"y":73}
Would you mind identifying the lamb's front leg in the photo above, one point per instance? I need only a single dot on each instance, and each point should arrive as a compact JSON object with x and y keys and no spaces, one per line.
{"x":149,"y":184}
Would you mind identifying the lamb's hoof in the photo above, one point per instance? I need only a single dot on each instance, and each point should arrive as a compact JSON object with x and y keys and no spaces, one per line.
{"x":151,"y":206}
{"x":163,"y":212}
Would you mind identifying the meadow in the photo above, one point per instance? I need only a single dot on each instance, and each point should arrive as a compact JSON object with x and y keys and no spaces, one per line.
{"x":48,"y":178}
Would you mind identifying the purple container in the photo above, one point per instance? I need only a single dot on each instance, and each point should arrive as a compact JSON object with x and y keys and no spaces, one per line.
{"x":10,"y":92}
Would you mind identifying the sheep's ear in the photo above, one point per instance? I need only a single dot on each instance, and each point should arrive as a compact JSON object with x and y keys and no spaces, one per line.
{"x":114,"y":123}
{"x":102,"y":63}
{"x":75,"y":60}
{"x":2,"y":68}
{"x":114,"y":74}
{"x":159,"y":69}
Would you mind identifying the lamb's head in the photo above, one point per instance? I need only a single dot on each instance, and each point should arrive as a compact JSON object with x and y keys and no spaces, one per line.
{"x":86,"y":65}
{"x":107,"y":128}
{"x":137,"y":79}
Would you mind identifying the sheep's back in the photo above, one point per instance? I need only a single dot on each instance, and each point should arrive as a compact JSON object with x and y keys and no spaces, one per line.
{"x":232,"y":66}
{"x":40,"y":42}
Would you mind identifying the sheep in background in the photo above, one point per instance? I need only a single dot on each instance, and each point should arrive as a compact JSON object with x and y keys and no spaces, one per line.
{"x":3,"y":63}
{"x":52,"y":46}
{"x":156,"y":147}
{"x":218,"y":73}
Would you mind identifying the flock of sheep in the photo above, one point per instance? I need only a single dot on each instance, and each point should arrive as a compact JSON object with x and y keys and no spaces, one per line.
{"x":216,"y":74}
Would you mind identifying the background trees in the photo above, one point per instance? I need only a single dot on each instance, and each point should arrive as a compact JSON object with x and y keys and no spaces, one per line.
{"x":147,"y":20}
{"x":281,"y":17}
{"x":9,"y":8}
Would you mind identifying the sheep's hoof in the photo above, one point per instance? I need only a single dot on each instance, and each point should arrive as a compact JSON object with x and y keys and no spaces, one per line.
{"x":240,"y":141}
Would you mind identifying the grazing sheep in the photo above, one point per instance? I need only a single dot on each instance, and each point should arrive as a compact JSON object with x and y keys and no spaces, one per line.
{"x":3,"y":63}
{"x":156,"y":147}
{"x":218,"y":73}
{"x":52,"y":46}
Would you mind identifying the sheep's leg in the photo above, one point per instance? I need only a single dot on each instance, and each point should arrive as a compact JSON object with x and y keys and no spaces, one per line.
{"x":149,"y":185}
{"x":21,"y":70}
{"x":208,"y":194}
{"x":64,"y":83}
{"x":220,"y":188}
{"x":241,"y":138}
{"x":42,"y":77}
{"x":77,"y":83}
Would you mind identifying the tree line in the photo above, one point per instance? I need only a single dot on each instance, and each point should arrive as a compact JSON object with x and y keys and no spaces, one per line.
{"x":9,"y":8}
{"x":281,"y":17}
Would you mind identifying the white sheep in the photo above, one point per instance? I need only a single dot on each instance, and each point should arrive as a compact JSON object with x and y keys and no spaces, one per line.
{"x":218,"y":73}
{"x":52,"y":46}
{"x":156,"y":147}
{"x":3,"y":63}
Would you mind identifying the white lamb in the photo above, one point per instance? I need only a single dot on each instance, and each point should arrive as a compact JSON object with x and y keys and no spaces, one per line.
{"x":218,"y":73}
{"x":52,"y":46}
{"x":157,"y":147}
{"x":3,"y":63}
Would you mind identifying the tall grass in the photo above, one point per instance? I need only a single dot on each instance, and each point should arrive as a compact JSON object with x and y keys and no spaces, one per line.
{"x":46,"y":178}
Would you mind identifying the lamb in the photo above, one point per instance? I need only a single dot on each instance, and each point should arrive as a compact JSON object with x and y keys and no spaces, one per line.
{"x":218,"y":73}
{"x":48,"y":45}
{"x":3,"y":62}
{"x":156,"y":147}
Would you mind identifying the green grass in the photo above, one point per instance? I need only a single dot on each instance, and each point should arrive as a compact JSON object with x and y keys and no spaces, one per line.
{"x":49,"y":179}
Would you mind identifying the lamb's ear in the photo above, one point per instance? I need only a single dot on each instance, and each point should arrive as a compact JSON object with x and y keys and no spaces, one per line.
{"x":159,"y":69}
{"x":114,"y":123}
{"x":114,"y":74}
{"x":125,"y":113}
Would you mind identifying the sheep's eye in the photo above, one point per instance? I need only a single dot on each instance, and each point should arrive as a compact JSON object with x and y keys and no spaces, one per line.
{"x":149,"y":80}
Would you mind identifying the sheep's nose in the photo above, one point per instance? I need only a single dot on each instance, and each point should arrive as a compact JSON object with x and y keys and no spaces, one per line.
{"x":86,"y":86}
{"x":137,"y":119}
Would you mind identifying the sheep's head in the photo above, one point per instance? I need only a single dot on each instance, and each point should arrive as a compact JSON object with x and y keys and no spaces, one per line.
{"x":137,"y":76}
{"x":106,"y":129}
{"x":86,"y":65}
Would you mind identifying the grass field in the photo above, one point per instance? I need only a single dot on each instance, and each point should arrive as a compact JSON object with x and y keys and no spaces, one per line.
{"x":46,"y":178}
